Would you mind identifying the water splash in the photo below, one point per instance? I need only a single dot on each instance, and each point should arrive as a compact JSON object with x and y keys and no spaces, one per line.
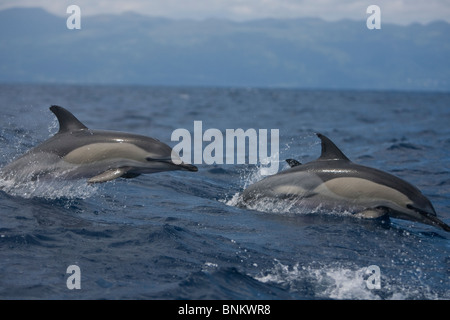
{"x":49,"y":189}
{"x":252,"y":174}
{"x":333,"y":282}
{"x":17,"y":141}
{"x":336,"y":281}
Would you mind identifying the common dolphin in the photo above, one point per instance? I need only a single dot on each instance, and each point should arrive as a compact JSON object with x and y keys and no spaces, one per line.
{"x":76,"y":152}
{"x":334,"y":182}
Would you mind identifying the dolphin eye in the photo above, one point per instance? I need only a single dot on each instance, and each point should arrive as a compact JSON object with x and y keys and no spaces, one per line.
{"x":411,"y":207}
{"x":150,"y":159}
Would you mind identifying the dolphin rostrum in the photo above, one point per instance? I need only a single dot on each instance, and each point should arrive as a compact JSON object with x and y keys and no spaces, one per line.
{"x":76,"y":152}
{"x":334,"y":182}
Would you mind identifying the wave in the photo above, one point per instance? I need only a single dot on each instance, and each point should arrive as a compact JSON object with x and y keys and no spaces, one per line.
{"x":404,"y":146}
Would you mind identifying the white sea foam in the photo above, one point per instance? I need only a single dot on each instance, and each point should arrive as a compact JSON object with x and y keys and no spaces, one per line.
{"x":331,"y":282}
{"x":49,"y":189}
{"x":340,"y":282}
{"x":247,"y":177}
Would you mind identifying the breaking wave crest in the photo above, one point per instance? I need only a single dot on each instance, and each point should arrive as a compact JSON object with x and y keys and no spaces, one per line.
{"x":340,"y":282}
{"x":323,"y":282}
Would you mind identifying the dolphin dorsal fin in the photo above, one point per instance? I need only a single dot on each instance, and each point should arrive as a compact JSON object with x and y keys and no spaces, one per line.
{"x":329,"y":150}
{"x":67,"y":121}
{"x":293,"y":163}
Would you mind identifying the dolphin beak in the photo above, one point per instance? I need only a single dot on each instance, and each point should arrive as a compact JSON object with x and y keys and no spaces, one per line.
{"x":188,"y":167}
{"x":182,"y":165}
{"x":429,"y":217}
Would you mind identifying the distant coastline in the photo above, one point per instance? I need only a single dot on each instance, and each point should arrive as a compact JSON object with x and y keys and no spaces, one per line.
{"x":133,"y":49}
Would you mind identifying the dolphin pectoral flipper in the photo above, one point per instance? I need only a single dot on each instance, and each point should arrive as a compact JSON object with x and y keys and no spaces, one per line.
{"x":372,"y":213}
{"x":111,"y":174}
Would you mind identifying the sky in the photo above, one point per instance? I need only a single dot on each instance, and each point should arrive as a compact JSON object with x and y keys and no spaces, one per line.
{"x":401,"y":12}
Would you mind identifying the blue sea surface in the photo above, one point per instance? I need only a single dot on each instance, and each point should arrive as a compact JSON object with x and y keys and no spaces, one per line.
{"x":181,"y":235}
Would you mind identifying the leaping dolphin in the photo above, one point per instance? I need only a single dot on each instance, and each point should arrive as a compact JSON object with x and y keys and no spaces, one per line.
{"x":334,"y":182}
{"x":76,"y":152}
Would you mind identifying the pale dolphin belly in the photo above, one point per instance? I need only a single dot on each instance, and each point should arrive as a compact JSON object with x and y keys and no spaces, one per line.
{"x":43,"y":166}
{"x":307,"y":190}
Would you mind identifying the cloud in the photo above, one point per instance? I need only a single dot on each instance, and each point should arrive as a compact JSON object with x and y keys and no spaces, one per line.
{"x":393,"y":11}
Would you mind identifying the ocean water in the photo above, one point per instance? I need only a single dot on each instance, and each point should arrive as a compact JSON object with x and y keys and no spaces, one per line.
{"x":181,"y":235}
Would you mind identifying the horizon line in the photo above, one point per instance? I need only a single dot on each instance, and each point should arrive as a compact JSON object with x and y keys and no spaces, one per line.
{"x":226,"y":19}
